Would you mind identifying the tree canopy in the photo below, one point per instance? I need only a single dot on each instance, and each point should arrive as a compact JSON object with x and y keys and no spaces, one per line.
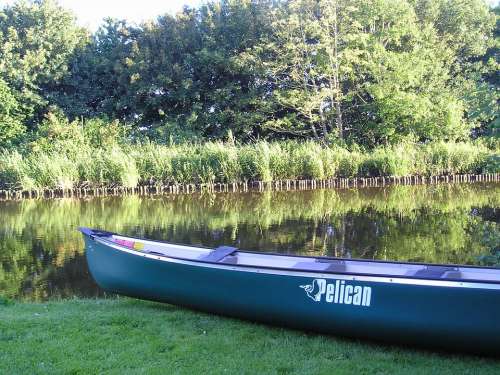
{"x":365,"y":71}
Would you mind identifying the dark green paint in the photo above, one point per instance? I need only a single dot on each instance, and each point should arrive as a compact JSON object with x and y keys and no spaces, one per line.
{"x":441,"y":317}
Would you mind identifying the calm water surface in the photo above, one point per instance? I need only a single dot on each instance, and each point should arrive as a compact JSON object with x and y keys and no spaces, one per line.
{"x":42,"y":256}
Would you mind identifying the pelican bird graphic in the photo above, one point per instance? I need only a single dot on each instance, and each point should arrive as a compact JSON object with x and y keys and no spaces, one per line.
{"x":315,"y":290}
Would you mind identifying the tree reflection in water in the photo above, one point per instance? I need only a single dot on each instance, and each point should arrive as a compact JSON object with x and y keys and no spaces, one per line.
{"x":41,"y":253}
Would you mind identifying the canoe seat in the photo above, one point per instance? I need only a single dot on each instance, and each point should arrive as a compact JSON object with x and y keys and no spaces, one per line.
{"x":218,"y":254}
{"x":330,"y":265}
{"x":436,"y":272}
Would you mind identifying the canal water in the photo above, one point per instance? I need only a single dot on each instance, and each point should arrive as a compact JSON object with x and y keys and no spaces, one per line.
{"x":42,"y":254}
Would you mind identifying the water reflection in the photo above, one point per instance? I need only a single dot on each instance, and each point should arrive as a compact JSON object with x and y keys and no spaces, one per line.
{"x":41,"y":254}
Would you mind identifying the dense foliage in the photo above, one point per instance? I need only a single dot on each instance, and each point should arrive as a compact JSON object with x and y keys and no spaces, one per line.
{"x":367,"y":71}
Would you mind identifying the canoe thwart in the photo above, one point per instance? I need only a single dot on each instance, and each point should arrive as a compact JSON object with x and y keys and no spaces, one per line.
{"x":230,"y":259}
{"x":218,"y":254}
{"x":334,"y":265}
{"x":436,"y":272}
{"x":321,"y":266}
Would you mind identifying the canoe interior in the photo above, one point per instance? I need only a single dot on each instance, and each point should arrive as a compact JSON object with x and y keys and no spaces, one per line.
{"x":233,"y":256}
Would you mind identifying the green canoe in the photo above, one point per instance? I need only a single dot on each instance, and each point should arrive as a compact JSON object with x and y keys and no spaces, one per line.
{"x":441,"y":306}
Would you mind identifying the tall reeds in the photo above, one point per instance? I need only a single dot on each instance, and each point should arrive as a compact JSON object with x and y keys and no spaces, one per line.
{"x":129,"y":165}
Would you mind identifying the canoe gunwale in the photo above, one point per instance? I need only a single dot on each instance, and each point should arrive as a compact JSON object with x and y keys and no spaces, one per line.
{"x":366,"y":277}
{"x":97,"y":233}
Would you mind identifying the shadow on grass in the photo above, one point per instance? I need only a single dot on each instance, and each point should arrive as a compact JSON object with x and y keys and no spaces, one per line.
{"x":352,"y":344}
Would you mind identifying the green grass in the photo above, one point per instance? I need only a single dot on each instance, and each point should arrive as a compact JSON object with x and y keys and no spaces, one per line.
{"x":122,"y":335}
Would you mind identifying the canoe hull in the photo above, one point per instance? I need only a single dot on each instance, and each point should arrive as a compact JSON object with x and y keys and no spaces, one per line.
{"x":441,"y":316}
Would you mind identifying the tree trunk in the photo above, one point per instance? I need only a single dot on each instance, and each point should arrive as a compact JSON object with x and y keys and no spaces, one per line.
{"x":338,"y":119}
{"x":336,"y":98}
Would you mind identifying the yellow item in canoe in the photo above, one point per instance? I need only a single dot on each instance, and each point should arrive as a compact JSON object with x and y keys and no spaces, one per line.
{"x":138,"y":246}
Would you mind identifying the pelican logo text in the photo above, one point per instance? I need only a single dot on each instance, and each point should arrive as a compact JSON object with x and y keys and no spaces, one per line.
{"x":338,"y":292}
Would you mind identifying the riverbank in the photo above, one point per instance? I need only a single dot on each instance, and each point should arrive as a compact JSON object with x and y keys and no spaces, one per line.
{"x":68,"y":169}
{"x":124,"y":335}
{"x":280,"y":185}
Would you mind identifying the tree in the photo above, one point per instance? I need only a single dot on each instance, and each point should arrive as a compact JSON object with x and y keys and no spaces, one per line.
{"x":366,"y":71}
{"x":466,"y":27}
{"x":484,"y":98}
{"x":11,"y":126}
{"x":407,"y":91}
{"x":100,"y":78}
{"x":370,"y":71}
{"x":190,"y":74}
{"x":304,"y":64}
{"x":37,"y":39}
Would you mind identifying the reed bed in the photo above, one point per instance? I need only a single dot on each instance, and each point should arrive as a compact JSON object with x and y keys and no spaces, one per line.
{"x":131,"y":166}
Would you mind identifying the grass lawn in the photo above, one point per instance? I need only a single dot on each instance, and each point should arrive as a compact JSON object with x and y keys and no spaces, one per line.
{"x":129,"y":336}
